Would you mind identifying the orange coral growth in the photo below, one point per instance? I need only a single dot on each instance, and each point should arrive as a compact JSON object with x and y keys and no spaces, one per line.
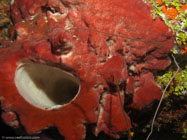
{"x":183,"y":7}
{"x":171,"y":12}
{"x":184,"y":50}
{"x":160,"y":2}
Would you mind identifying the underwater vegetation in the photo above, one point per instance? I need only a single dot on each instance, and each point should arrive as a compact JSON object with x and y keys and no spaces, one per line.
{"x":178,"y":86}
{"x":174,"y":14}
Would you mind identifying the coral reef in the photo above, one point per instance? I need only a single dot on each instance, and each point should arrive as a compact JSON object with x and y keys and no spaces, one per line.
{"x":174,"y":14}
{"x":102,"y":48}
{"x":178,"y":85}
{"x":5,"y":20}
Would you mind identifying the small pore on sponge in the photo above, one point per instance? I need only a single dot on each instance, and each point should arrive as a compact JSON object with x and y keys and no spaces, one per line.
{"x":44,"y":86}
